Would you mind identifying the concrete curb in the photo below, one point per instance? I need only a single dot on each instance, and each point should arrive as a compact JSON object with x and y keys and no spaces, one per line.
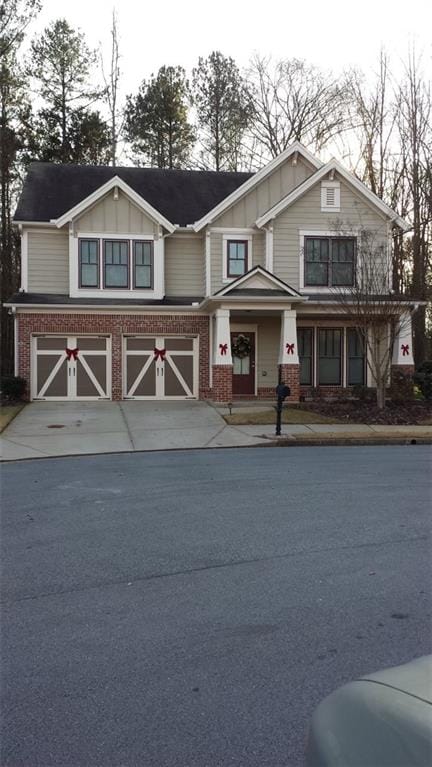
{"x":284,"y":442}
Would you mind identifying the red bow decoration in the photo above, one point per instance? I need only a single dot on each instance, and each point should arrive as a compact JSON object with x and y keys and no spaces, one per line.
{"x":159,"y":353}
{"x":72,"y":353}
{"x":223,"y":349}
{"x":290,"y":348}
{"x":405,"y":349}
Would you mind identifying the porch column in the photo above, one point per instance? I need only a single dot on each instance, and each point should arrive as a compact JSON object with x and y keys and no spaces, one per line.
{"x":403,"y":359}
{"x":289,"y":364}
{"x":222,"y":357}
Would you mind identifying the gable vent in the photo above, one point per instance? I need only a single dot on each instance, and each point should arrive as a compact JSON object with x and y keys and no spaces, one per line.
{"x":330,"y":196}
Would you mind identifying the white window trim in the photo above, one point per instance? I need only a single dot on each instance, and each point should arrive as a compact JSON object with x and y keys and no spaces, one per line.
{"x":330,"y":208}
{"x":318,"y":233}
{"x":158,"y":266}
{"x":235,"y":235}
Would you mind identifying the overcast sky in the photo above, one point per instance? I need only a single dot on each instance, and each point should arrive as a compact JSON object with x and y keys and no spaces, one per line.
{"x":332,"y":34}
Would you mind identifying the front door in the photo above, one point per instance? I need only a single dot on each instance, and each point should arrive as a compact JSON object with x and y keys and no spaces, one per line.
{"x":243,"y":355}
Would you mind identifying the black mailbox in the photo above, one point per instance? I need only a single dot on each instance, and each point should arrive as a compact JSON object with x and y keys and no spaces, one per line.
{"x":282,"y":391}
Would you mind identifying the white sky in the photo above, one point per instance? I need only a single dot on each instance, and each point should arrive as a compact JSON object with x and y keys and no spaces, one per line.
{"x":333,"y":34}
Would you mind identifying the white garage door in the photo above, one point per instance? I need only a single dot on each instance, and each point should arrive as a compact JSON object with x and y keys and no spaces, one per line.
{"x":160,"y":367}
{"x":71,"y":367}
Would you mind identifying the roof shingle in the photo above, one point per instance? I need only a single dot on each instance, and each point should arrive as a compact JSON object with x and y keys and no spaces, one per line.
{"x":182,"y":196}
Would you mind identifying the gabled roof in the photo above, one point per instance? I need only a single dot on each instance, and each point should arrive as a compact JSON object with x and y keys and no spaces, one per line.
{"x":180,"y":196}
{"x":250,"y":183}
{"x":115,"y":181}
{"x":302,"y":188}
{"x":258,"y":281}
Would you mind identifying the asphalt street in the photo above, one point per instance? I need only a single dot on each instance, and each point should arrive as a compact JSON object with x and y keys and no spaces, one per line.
{"x":190,"y":609}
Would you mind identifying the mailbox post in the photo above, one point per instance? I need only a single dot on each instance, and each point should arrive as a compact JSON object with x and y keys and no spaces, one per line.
{"x":282,"y":391}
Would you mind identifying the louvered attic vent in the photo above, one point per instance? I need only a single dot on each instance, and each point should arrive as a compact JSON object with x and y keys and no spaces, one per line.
{"x":330,"y":196}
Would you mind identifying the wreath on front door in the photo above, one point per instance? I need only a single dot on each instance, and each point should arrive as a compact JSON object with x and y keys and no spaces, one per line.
{"x":241,"y":346}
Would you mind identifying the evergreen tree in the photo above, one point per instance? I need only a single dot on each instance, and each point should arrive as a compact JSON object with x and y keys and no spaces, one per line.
{"x":65,"y":128}
{"x":224,"y":110}
{"x":156,"y":120}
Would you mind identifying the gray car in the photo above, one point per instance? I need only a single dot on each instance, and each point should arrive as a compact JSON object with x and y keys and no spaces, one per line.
{"x":381,"y":720}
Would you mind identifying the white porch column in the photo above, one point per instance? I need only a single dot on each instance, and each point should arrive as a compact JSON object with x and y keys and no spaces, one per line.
{"x":288,"y":354}
{"x":402,"y":347}
{"x":222,"y":338}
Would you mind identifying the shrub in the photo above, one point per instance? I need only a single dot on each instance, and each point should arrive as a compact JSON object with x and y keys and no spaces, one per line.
{"x":13,"y":387}
{"x":364,"y":393}
{"x":401,"y":388}
{"x":423,"y":378}
{"x":315,"y":392}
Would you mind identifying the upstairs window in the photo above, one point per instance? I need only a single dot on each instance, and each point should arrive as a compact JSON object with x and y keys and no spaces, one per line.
{"x":142,"y":264}
{"x":89,"y":263}
{"x":116,"y":264}
{"x":329,"y":261}
{"x":237,"y":258}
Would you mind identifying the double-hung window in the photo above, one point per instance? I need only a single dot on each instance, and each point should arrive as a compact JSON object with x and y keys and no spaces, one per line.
{"x":116,"y":263}
{"x":237,"y":258}
{"x":356,"y":358}
{"x":329,"y":357}
{"x":305,"y":347}
{"x":329,"y":261}
{"x":142,"y":264}
{"x":89,"y":263}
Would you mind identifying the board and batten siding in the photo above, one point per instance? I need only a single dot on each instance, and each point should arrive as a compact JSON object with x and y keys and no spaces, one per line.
{"x":48,"y":262}
{"x":115,"y":217}
{"x":306,"y":215}
{"x":184,"y":266}
{"x":270,"y":191}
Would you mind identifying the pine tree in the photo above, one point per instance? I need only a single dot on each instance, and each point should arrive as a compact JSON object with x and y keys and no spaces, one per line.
{"x":156,"y":120}
{"x":224,"y":110}
{"x":66,"y":128}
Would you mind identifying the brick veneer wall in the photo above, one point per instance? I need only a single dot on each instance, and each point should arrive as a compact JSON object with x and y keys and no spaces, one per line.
{"x":222,"y":383}
{"x":290,"y":375}
{"x":405,"y":369}
{"x":115,"y":325}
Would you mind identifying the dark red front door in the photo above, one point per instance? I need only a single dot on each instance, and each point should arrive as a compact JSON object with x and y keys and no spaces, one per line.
{"x":243,"y":365}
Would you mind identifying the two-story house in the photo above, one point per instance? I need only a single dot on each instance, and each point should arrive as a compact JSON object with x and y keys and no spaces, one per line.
{"x":151,"y":284}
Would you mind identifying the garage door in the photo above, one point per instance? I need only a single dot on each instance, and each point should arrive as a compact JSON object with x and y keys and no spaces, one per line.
{"x":160,"y":367}
{"x":71,"y":367}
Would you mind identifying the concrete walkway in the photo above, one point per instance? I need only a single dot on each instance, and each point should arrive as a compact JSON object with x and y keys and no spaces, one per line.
{"x":44,"y":429}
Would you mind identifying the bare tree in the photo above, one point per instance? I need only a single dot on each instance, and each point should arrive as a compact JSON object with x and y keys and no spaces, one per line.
{"x":378,"y":313}
{"x":111,"y":80}
{"x":414,"y":122}
{"x":294,"y":100}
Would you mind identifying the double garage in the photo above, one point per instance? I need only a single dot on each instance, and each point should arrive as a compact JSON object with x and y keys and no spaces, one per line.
{"x":80,"y":367}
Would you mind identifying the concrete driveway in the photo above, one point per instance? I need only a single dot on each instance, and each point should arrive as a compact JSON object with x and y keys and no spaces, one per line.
{"x":69,"y":428}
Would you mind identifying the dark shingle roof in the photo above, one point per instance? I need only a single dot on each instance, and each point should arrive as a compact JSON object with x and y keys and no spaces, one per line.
{"x":182,"y":196}
{"x":54,"y":299}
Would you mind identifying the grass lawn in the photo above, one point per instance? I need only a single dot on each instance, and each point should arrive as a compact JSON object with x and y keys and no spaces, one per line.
{"x":289,"y":415}
{"x":8,"y":413}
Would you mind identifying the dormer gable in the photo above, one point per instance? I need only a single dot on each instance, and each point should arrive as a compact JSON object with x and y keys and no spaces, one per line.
{"x":258,"y":282}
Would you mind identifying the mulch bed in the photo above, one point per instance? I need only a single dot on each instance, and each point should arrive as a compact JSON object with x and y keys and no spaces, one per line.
{"x":411,"y":413}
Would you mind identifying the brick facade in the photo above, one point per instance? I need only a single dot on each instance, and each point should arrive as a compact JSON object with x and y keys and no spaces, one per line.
{"x":290,"y":375}
{"x":116,"y":326}
{"x":222,"y":383}
{"x":405,"y":369}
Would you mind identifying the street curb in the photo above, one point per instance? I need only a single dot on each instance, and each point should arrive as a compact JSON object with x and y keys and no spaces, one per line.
{"x":284,"y":442}
{"x":346,"y":441}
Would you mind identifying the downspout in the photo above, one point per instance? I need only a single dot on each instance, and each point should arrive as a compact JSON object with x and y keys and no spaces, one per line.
{"x":15,"y":321}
